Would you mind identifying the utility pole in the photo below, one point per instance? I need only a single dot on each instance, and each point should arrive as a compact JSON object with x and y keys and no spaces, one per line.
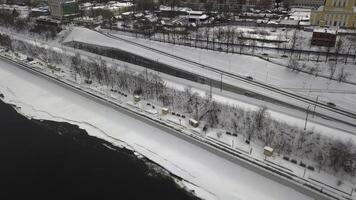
{"x":317,"y":98}
{"x":305,"y":169}
{"x":146,"y":84}
{"x":306,"y":118}
{"x":221,"y":84}
{"x":211,"y":90}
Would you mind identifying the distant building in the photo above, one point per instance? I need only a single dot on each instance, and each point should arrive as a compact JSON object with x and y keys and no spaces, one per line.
{"x":259,"y":4}
{"x":40,"y":11}
{"x":17,"y":2}
{"x":61,"y":9}
{"x":116,"y":8}
{"x":335,"y":13}
{"x":197,"y":17}
{"x":228,"y":5}
{"x":324,"y":37}
{"x":304,"y":3}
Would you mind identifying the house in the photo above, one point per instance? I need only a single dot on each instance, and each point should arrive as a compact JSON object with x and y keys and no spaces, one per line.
{"x":228,"y":5}
{"x":61,"y":9}
{"x":324,"y":37}
{"x":197,"y":17}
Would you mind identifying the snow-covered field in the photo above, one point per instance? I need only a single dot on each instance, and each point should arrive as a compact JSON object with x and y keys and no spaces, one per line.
{"x":259,"y":69}
{"x":290,"y":116}
{"x":216,"y":177}
{"x":263,"y":71}
{"x":221,"y":97}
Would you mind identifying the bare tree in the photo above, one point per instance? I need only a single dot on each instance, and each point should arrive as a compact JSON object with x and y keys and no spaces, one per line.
{"x":212,"y":113}
{"x":293,"y":64}
{"x":342,"y":76}
{"x":260,"y":116}
{"x":332,"y":69}
{"x":338,"y":47}
{"x":294,"y":41}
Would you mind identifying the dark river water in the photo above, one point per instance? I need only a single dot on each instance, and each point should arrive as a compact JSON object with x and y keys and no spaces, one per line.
{"x":49,"y":160}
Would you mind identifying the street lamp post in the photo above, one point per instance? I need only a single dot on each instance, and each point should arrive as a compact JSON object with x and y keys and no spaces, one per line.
{"x":316,"y":101}
{"x":221,"y":83}
{"x":306,"y":118}
{"x":305,"y":169}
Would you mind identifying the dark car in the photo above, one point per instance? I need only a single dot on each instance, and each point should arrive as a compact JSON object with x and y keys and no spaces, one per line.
{"x":249,"y":77}
{"x":331,"y":104}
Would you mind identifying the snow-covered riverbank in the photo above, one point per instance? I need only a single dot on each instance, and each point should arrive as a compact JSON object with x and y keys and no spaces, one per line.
{"x":216,"y":177}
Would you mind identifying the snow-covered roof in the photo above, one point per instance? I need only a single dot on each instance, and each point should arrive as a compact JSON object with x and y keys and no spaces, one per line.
{"x":289,"y":22}
{"x":69,"y":2}
{"x":267,"y":148}
{"x":325,"y":30}
{"x":193,"y":12}
{"x":127,"y":13}
{"x":201,"y":17}
{"x":111,"y":6}
{"x":87,"y":4}
{"x":43,"y":9}
{"x":168,"y":8}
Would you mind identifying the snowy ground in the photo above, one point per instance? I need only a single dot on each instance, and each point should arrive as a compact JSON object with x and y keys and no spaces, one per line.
{"x":261,"y":70}
{"x":222,"y":98}
{"x":237,"y":143}
{"x":216,"y":177}
{"x":290,"y":116}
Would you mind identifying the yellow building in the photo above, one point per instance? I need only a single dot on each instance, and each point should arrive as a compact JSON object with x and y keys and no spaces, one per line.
{"x":335,"y":13}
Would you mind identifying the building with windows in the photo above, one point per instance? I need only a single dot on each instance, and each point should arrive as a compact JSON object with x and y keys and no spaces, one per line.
{"x":303,"y":3}
{"x":61,"y":9}
{"x":324,"y":37}
{"x":228,"y":5}
{"x":335,"y":13}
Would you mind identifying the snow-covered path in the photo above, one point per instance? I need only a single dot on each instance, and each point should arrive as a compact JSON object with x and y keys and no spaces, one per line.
{"x":219,"y":178}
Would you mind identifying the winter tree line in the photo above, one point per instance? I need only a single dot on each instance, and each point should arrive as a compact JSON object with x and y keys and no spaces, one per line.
{"x":331,"y":71}
{"x":235,"y":40}
{"x":326,"y":153}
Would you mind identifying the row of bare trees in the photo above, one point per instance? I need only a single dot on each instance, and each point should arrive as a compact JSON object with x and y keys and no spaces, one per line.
{"x":327,"y":153}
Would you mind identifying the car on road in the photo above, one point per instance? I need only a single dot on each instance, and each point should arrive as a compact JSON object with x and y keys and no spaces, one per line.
{"x":249,"y":77}
{"x":331,"y":104}
{"x":249,"y":94}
